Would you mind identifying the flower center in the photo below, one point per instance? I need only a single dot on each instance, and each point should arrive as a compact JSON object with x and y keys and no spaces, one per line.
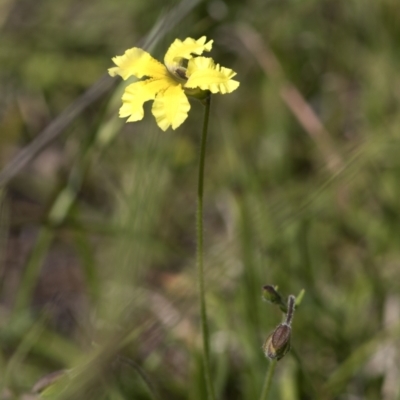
{"x":181,"y":73}
{"x":178,"y":70}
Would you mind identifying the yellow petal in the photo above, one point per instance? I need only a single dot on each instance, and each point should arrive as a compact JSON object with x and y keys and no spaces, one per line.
{"x":137,"y":94}
{"x":179,"y":50}
{"x":203,"y":73}
{"x":170,"y":108}
{"x":139,"y":63}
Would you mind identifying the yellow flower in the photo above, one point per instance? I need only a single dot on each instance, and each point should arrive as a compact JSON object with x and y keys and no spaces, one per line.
{"x":169,"y":84}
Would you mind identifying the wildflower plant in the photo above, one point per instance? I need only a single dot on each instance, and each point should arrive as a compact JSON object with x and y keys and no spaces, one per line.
{"x":277,"y":343}
{"x":185,"y":72}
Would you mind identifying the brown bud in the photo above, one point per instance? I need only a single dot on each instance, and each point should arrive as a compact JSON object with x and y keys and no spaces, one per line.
{"x":278,"y":343}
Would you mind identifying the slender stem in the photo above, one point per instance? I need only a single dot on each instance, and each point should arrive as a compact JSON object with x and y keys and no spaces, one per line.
{"x":200,"y":250}
{"x":290,"y":309}
{"x":268,"y":380}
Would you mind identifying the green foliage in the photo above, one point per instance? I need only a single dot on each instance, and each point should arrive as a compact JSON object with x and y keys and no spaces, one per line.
{"x":98,"y":231}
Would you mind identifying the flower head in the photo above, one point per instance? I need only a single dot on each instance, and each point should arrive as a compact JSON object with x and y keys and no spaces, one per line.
{"x":168,"y":85}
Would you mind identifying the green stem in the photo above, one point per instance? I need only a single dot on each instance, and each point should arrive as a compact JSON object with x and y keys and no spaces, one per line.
{"x":200,"y":251}
{"x":268,"y":380}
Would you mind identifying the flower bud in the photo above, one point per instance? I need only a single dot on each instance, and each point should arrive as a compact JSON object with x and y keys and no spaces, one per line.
{"x":278,"y":343}
{"x":270,"y":293}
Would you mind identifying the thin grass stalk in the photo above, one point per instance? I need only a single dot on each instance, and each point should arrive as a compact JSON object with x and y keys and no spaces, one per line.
{"x":268,"y":379}
{"x":142,"y":373}
{"x":200,"y":252}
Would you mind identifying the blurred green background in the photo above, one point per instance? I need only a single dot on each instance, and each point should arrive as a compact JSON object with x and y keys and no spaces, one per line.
{"x":301,"y":191}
